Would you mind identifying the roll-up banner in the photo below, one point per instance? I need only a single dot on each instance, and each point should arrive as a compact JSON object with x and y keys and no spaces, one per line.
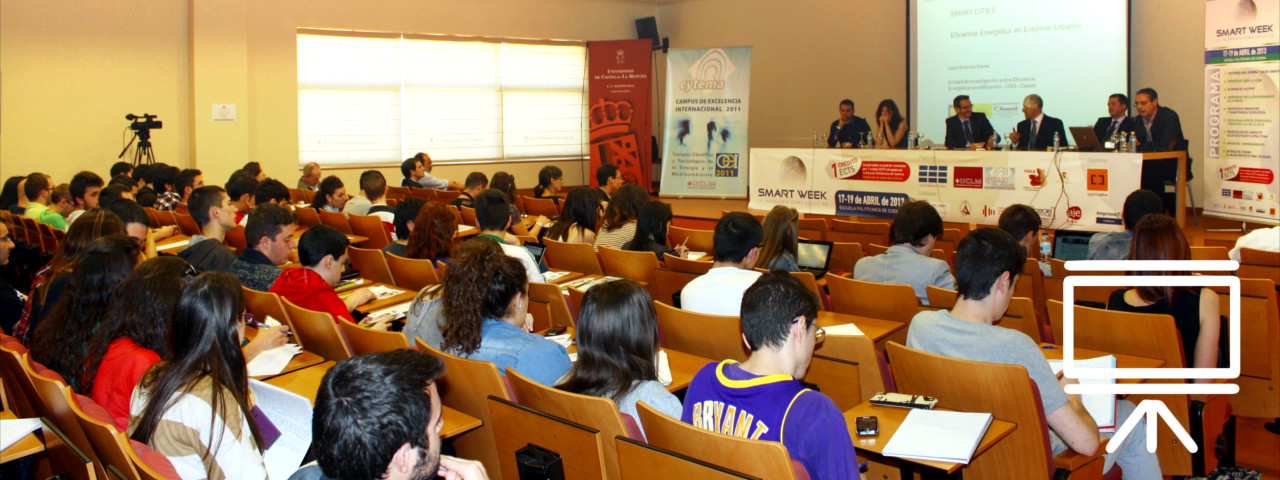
{"x":705,"y":137}
{"x":1242,"y":110}
{"x":618,"y":88}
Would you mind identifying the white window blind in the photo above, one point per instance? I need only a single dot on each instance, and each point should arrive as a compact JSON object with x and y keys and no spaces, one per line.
{"x":368,"y":99}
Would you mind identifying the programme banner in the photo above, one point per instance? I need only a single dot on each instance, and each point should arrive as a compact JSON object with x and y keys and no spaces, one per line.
{"x":619,"y":77}
{"x":705,"y":139}
{"x":1079,"y":191}
{"x":1242,"y":105}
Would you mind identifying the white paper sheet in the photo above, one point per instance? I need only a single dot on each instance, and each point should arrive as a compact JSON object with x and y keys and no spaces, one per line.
{"x":846,"y":329}
{"x":551,"y":277}
{"x":382,"y":292}
{"x":563,"y":339}
{"x":664,"y":368}
{"x":1101,"y":406}
{"x":692,"y":255}
{"x":171,"y":246}
{"x":272,"y":362}
{"x":938,"y":435}
{"x":13,"y":430}
{"x":291,"y":414}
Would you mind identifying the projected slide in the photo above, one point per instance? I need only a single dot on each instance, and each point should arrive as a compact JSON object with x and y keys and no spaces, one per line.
{"x":1073,"y":54}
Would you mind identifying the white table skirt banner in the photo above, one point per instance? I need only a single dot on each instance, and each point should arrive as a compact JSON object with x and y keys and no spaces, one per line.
{"x":1070,"y":190}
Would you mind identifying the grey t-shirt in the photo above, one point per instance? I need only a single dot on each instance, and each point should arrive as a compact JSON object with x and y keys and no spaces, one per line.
{"x":423,"y":320}
{"x":941,"y":333}
{"x":653,"y":394}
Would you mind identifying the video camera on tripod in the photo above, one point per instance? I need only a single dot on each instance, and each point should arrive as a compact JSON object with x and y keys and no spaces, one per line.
{"x":148,"y":122}
{"x":141,"y":126}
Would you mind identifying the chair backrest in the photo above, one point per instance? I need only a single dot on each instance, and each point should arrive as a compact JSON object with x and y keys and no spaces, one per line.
{"x":640,"y":461}
{"x":370,"y":226}
{"x":318,"y":331}
{"x":581,"y":448}
{"x":1260,"y":337}
{"x":412,"y":273}
{"x":837,"y":379}
{"x":864,"y":233}
{"x":1021,"y":316}
{"x":1054,"y":308}
{"x":1209,"y":253}
{"x":236,"y":240}
{"x":371,"y":264}
{"x":698,"y":240}
{"x":949,"y":240}
{"x":876,"y":300}
{"x":20,"y":392}
{"x":539,"y":206}
{"x":844,"y":255}
{"x":336,"y":220}
{"x":666,"y":283}
{"x":160,"y":218}
{"x":469,"y":216}
{"x":557,"y":305}
{"x":637,"y":266}
{"x":367,"y":340}
{"x":811,"y":283}
{"x":446,"y":196}
{"x":575,"y":301}
{"x":574,"y":257}
{"x":595,"y":412}
{"x":1025,"y":454}
{"x":151,"y":465}
{"x":1147,"y":335}
{"x":187,"y":224}
{"x":307,"y":216}
{"x":295,"y":195}
{"x":48,"y":241}
{"x":712,"y":336}
{"x":686,"y":265}
{"x":860,"y":350}
{"x":812,"y":228}
{"x":267,"y":304}
{"x":466,"y":386}
{"x":753,"y":457}
{"x":1259,"y":264}
{"x":1031,"y":285}
{"x":876,"y":249}
{"x":53,"y":394}
{"x":940,"y":297}
{"x":67,"y":458}
{"x":111,"y":446}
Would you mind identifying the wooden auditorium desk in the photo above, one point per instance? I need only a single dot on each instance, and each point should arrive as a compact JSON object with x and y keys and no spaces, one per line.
{"x":878,"y":330}
{"x":890,"y":418}
{"x":1054,"y":352}
{"x":683,"y":365}
{"x":403,"y":297}
{"x":28,"y":445}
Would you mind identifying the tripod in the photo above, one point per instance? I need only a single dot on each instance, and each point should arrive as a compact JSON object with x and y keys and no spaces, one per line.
{"x":143,"y":152}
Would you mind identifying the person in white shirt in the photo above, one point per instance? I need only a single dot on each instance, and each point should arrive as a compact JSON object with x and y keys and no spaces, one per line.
{"x":1265,"y":239}
{"x":736,"y":245}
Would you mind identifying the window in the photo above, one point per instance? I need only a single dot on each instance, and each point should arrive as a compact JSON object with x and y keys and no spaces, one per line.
{"x":366,"y":98}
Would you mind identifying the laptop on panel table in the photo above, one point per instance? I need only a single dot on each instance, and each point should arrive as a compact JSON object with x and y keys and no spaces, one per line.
{"x":813,"y":256}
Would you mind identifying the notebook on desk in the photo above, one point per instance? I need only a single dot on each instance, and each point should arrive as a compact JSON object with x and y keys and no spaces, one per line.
{"x":939,"y":435}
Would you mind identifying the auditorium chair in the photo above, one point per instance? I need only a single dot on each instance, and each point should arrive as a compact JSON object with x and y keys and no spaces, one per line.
{"x":581,"y":448}
{"x":1021,"y":316}
{"x":264,"y":305}
{"x":865,"y":233}
{"x":365,"y":340}
{"x":558,"y":306}
{"x":680,"y":264}
{"x":187,"y":224}
{"x":667,"y":283}
{"x":844,"y":255}
{"x":629,"y":264}
{"x":52,"y":392}
{"x":445,"y":196}
{"x":1259,"y":379}
{"x":940,"y":298}
{"x":696,"y":240}
{"x":874,"y":375}
{"x":869,"y":299}
{"x":236,"y":240}
{"x":411,"y":273}
{"x":20,"y":392}
{"x":572,"y":257}
{"x":874,"y":249}
{"x":757,"y":458}
{"x":711,"y":336}
{"x":641,"y":461}
{"x":1209,"y":253}
{"x":812,"y":228}
{"x":371,"y":227}
{"x":465,"y":387}
{"x":108,"y":442}
{"x":307,"y":216}
{"x":336,"y":220}
{"x":371,"y":264}
{"x":539,"y":206}
{"x":1259,"y":264}
{"x":318,"y":331}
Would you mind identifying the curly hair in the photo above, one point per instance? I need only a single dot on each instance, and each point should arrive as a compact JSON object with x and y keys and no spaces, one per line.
{"x":479,"y":285}
{"x":433,"y":232}
{"x":92,"y":224}
{"x":142,"y":311}
{"x":625,"y":206}
{"x":59,"y":341}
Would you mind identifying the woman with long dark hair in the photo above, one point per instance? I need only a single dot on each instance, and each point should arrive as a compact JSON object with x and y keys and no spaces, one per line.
{"x":135,"y":333}
{"x":194,"y":409}
{"x":486,"y":304}
{"x":1194,"y":309}
{"x":59,"y":341}
{"x":433,"y":232}
{"x":11,"y":197}
{"x":891,"y":128}
{"x":332,"y":195}
{"x":651,"y":231}
{"x":621,"y":215}
{"x":617,"y":346}
{"x":578,"y":220}
{"x":50,"y":281}
{"x":550,"y":182}
{"x":781,"y":240}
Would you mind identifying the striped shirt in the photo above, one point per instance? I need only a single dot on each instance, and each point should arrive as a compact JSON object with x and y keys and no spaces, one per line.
{"x":616,"y":238}
{"x":200,"y":446}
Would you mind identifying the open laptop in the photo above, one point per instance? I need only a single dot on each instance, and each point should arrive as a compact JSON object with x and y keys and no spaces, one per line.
{"x":1071,"y":245}
{"x":813,"y":256}
{"x":535,"y":249}
{"x":1086,"y":139}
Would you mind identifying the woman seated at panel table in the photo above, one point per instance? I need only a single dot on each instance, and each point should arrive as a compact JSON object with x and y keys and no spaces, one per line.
{"x":651,"y":231}
{"x":617,"y":346}
{"x":1194,"y":309}
{"x":781,"y":240}
{"x":332,"y":195}
{"x":194,"y":409}
{"x":621,"y":215}
{"x":579,"y":218}
{"x":891,"y":129}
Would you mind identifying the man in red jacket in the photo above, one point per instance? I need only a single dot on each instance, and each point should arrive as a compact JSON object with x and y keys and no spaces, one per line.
{"x":323,"y":253}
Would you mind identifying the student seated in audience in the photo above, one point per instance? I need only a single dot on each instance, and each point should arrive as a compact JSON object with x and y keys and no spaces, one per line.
{"x":51,"y":281}
{"x":310,"y":179}
{"x":781,"y":240}
{"x":617,"y":346}
{"x":405,"y":215}
{"x":59,"y":340}
{"x":651,"y":231}
{"x":11,"y":300}
{"x":60,"y":203}
{"x":39,"y":192}
{"x":255,"y":169}
{"x":987,"y":263}
{"x":332,"y":195}
{"x":577,"y":223}
{"x":1023,"y":224}
{"x":506,"y":183}
{"x":142,"y":178}
{"x":378,"y":416}
{"x":323,"y":253}
{"x":492,"y":215}
{"x":476,"y":182}
{"x":212,"y":210}
{"x":736,"y":247}
{"x":433,"y":233}
{"x":195,"y":409}
{"x":121,"y":168}
{"x":550,"y":182}
{"x":269,"y":235}
{"x":271,"y":191}
{"x":417,"y":173}
{"x":1115,"y":245}
{"x":620,"y":216}
{"x":915,"y":229}
{"x":779,"y":318}
{"x":372,"y":199}
{"x":138,"y":227}
{"x":164,"y":178}
{"x":185,"y":182}
{"x":1265,"y":239}
{"x":240,"y":188}
{"x":112,"y":193}
{"x":489,"y":320}
{"x":1194,"y":309}
{"x":608,"y":180}
{"x":427,"y":313}
{"x":85,"y":187}
{"x":14,"y":198}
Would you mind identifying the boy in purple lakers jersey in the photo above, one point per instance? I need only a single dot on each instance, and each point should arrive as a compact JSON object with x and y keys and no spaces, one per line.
{"x":760,"y":398}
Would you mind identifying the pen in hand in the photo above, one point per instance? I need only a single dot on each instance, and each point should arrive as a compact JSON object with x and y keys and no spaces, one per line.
{"x":263,"y":325}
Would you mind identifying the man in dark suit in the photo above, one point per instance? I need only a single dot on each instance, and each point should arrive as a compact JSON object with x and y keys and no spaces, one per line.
{"x":1036,"y":132}
{"x":1117,"y":121}
{"x":967,"y":129}
{"x":847,"y":131}
{"x":1159,"y":130}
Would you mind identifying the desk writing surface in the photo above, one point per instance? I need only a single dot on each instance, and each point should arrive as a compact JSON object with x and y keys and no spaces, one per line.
{"x":874,"y":328}
{"x":30,"y":444}
{"x":406,"y":296}
{"x":300,"y":361}
{"x":890,"y":418}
